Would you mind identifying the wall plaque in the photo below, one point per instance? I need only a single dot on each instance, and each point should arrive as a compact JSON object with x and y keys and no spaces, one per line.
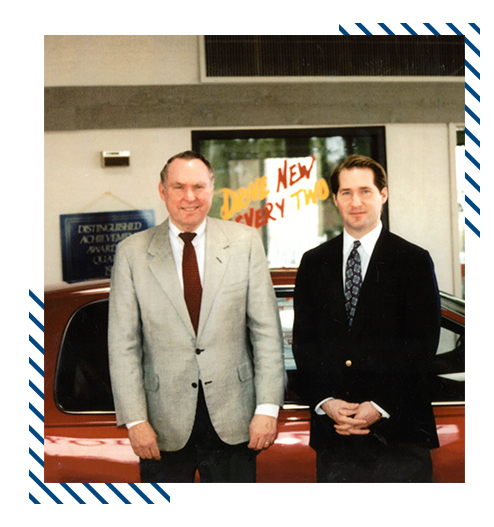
{"x":89,"y":240}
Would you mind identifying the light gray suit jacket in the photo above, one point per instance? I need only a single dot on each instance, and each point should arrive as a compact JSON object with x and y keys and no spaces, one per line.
{"x":155,"y":364}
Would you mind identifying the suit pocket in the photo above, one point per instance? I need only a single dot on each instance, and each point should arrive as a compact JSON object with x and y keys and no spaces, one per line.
{"x":245,"y":371}
{"x":151,"y":382}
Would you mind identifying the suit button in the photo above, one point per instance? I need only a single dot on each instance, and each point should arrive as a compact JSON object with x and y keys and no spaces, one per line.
{"x":348,"y":363}
{"x":194,"y":385}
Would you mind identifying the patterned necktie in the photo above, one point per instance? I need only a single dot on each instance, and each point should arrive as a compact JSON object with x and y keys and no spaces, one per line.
{"x":353,"y":281}
{"x":192,"y":280}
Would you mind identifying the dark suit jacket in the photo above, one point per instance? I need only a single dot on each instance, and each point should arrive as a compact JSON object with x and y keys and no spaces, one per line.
{"x":391,"y":344}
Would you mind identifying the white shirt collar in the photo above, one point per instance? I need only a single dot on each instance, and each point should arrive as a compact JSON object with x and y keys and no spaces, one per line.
{"x":368,"y":241}
{"x":176,"y":231}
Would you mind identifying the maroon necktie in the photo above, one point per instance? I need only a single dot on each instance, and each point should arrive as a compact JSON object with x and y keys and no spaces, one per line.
{"x":192,"y":280}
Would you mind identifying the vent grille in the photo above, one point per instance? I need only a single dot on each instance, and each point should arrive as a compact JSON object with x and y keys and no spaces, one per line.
{"x":339,"y":56}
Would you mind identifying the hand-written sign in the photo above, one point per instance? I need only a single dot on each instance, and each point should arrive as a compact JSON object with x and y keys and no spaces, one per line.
{"x":293,"y":182}
{"x":89,"y":240}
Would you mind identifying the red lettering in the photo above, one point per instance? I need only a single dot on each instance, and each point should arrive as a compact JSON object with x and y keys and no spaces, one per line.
{"x":281,"y":207}
{"x":260,"y":220}
{"x":292,"y":175}
{"x":259,"y":217}
{"x":282,"y":177}
{"x":267,"y":212}
{"x":304,"y":171}
{"x":249,"y":217}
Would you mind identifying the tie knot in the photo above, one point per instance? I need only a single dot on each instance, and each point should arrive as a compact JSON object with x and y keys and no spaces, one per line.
{"x":356,"y":244}
{"x":187,"y":237}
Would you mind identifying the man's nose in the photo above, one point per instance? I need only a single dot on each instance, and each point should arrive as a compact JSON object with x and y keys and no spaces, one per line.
{"x":356,"y":201}
{"x":189,"y":194}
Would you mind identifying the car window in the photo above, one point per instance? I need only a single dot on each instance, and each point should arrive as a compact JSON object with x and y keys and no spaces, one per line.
{"x":82,"y":379}
{"x":448,"y":383}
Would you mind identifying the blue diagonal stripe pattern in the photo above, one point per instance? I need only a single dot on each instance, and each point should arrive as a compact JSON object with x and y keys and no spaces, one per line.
{"x":474,"y":184}
{"x":95,"y":493}
{"x":36,"y":457}
{"x":33,"y":499}
{"x":61,"y":493}
{"x":73,"y":494}
{"x":36,"y":389}
{"x":472,"y":114}
{"x":36,"y":344}
{"x":474,"y":162}
{"x":45,"y":488}
{"x":36,"y":367}
{"x":386,"y":29}
{"x":36,"y":435}
{"x":36,"y":321}
{"x":472,"y":137}
{"x":36,"y":412}
{"x":365,"y":31}
{"x":140,"y":493}
{"x":118,"y":493}
{"x":432,"y":29}
{"x":472,"y":204}
{"x":409,"y":29}
{"x":161,"y":491}
{"x":472,"y":92}
{"x":471,"y":32}
{"x":37,"y":299}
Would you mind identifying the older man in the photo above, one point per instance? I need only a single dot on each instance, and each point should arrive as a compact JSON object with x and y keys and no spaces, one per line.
{"x":195,"y":341}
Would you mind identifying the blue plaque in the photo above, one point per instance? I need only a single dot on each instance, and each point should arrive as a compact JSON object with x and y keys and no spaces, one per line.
{"x":89,"y":240}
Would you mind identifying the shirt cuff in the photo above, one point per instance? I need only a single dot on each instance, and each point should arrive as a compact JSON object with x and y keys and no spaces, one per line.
{"x":262,"y":409}
{"x":318,"y":409}
{"x":133,"y":423}
{"x":268,"y":409}
{"x":380,"y":410}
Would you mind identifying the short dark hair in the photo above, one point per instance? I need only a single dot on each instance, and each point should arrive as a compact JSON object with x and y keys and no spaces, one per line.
{"x":358,"y":161}
{"x":187,"y":155}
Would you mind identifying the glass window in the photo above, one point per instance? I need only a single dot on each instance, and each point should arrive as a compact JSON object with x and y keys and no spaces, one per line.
{"x":82,"y":379}
{"x":278,"y":182}
{"x":448,"y":383}
{"x":460,"y":182}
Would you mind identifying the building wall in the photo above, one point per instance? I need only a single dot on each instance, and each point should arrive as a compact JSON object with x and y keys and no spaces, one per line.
{"x":144,"y":94}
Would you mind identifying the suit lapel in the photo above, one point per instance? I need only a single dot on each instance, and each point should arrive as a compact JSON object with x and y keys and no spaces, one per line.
{"x":332,"y":270}
{"x":371,"y":283}
{"x":216,"y":261}
{"x":162,"y":265}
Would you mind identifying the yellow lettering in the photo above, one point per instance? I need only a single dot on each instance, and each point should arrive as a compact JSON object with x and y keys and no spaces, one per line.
{"x":235,"y":201}
{"x":227,"y":209}
{"x":322,"y":189}
{"x":264,"y":191}
{"x":298,"y":199}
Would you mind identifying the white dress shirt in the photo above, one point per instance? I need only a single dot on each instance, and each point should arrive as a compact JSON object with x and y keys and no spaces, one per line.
{"x":365,"y":250}
{"x":199,"y":243}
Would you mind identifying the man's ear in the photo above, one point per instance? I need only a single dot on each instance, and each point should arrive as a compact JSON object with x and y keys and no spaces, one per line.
{"x":384,"y":194}
{"x":161,"y":190}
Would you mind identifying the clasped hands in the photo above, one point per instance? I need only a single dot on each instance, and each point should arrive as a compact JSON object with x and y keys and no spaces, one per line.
{"x":263,"y":430}
{"x":351,"y":418}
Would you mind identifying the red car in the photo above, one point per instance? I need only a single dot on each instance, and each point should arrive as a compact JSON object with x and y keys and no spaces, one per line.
{"x":83,"y":444}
